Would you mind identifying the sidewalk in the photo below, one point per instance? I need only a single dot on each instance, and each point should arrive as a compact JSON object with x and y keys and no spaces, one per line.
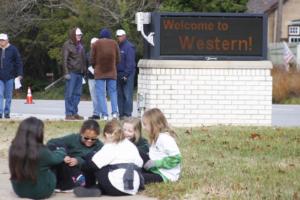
{"x":6,"y":192}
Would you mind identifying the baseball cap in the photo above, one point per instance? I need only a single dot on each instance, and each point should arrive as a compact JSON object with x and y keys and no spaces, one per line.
{"x":3,"y":36}
{"x":78,"y":31}
{"x":93,"y":40}
{"x":120,"y":32}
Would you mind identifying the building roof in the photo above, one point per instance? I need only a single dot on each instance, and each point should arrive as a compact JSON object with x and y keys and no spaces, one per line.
{"x":294,"y":22}
{"x":261,"y":6}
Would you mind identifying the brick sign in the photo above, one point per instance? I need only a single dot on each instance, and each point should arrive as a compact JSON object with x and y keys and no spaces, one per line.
{"x":216,"y":36}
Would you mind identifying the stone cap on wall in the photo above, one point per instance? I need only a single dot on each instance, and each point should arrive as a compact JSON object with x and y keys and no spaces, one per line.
{"x":198,"y":64}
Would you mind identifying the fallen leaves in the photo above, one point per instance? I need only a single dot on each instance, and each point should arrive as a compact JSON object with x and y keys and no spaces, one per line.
{"x":255,"y":136}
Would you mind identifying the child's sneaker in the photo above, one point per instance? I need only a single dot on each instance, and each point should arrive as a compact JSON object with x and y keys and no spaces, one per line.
{"x":87,"y":192}
{"x":63,"y":191}
{"x":79,"y":181}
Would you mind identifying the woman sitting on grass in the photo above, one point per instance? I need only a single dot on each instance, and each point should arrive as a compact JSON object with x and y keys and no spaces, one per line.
{"x":30,"y":161}
{"x":78,"y":145}
{"x":117,"y":165}
{"x":163,"y":163}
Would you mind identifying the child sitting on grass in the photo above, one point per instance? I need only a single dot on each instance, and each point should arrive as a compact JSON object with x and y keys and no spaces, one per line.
{"x":117,"y":165}
{"x":30,"y":161}
{"x":132,"y":128}
{"x":164,"y":159}
{"x":78,"y":145}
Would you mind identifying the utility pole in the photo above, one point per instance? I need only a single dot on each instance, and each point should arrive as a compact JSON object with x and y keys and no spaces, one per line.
{"x":279,"y":21}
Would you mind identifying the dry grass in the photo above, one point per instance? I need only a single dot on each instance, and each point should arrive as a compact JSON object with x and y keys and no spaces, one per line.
{"x":286,"y":85}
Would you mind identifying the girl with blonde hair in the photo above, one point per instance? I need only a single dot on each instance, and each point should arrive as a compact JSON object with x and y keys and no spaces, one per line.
{"x":132,"y":128}
{"x":164,"y":162}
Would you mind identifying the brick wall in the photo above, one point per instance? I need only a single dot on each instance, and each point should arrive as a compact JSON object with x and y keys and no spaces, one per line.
{"x":195,"y":93}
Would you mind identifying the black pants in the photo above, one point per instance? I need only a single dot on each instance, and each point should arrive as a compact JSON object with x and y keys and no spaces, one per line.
{"x":64,"y":176}
{"x":149,"y":177}
{"x":105,"y":185}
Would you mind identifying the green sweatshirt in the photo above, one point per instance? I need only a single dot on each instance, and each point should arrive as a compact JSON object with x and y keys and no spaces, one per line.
{"x":142,"y":145}
{"x":46,"y":180}
{"x":74,"y":147}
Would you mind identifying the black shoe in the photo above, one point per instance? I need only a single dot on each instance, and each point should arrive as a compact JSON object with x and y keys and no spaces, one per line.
{"x":87,"y":192}
{"x":95,"y":117}
{"x":6,"y":116}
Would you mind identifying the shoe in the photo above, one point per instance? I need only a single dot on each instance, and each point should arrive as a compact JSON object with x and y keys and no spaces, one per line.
{"x":1,"y":116}
{"x":78,"y":117}
{"x":70,"y":117}
{"x":95,"y":117}
{"x":115,"y":116}
{"x":123,"y":118}
{"x":105,"y":118}
{"x":87,"y":192}
{"x":79,"y":180}
{"x":6,"y":116}
{"x":63,"y":191}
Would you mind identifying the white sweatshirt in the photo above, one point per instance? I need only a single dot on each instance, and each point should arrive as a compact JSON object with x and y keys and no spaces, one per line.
{"x":117,"y":153}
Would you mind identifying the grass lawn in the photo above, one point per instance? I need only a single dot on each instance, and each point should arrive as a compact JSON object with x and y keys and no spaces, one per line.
{"x":220,"y":162}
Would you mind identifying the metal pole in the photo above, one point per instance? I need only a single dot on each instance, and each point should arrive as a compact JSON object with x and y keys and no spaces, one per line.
{"x":279,"y":21}
{"x":54,"y":83}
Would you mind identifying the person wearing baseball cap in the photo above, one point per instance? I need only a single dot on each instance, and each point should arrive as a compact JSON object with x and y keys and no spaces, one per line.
{"x":11,"y":67}
{"x":125,"y":74}
{"x":74,"y":67}
{"x":92,"y":83}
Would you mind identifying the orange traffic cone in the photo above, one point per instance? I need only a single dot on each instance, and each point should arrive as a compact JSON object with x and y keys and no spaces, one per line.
{"x":29,"y":96}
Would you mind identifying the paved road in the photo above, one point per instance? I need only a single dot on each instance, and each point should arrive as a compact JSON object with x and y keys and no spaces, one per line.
{"x":50,"y":109}
{"x":282,"y":115}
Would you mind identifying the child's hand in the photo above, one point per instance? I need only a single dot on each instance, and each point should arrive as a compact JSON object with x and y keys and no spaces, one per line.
{"x":149,"y":164}
{"x":70,"y":161}
{"x":73,"y":162}
{"x":67,"y":159}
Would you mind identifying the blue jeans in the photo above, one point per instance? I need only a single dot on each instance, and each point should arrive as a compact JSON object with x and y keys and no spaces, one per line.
{"x":92,"y":88}
{"x":73,"y":92}
{"x":112,"y":92}
{"x":125,"y":93}
{"x":6,"y":92}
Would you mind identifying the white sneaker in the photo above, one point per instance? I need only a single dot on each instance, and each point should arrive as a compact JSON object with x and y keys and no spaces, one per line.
{"x":105,"y":118}
{"x":63,"y":191}
{"x":115,"y":116}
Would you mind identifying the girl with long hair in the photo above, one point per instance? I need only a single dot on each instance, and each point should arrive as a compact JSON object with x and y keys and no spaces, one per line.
{"x":30,"y":161}
{"x":164,"y":156}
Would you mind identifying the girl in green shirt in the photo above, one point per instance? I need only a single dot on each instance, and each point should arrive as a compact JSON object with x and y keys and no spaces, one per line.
{"x":30,"y":161}
{"x":70,"y":173}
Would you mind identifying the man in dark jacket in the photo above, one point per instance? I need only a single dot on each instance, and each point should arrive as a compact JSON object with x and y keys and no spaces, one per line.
{"x":126,"y":72}
{"x":11,"y":67}
{"x":74,"y":66}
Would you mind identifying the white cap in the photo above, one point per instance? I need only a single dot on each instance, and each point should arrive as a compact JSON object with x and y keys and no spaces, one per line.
{"x":120,"y":32}
{"x":93,"y":40}
{"x":3,"y":36}
{"x":78,"y":31}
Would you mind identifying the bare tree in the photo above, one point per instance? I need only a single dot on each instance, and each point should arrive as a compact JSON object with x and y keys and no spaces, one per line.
{"x":115,"y":12}
{"x":17,"y":15}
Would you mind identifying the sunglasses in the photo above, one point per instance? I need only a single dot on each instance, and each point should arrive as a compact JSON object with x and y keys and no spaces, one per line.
{"x":91,"y":139}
